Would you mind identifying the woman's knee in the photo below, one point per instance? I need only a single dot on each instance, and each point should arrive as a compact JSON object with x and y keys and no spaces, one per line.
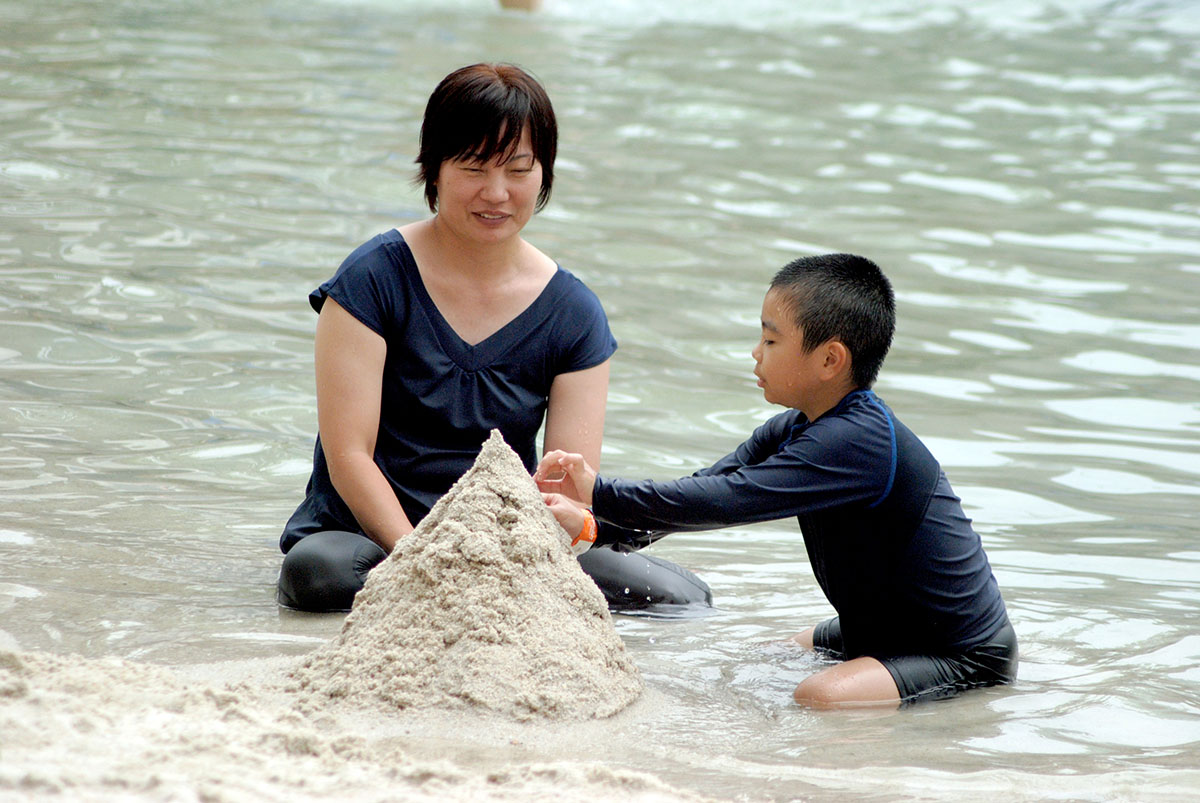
{"x":324,"y":571}
{"x":637,"y":580}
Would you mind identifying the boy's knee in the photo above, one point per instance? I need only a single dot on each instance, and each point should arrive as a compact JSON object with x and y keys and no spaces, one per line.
{"x":804,"y":638}
{"x":860,"y":682}
{"x":814,"y":693}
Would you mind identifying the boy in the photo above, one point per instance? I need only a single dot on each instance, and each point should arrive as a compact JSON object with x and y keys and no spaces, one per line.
{"x":919,"y":614}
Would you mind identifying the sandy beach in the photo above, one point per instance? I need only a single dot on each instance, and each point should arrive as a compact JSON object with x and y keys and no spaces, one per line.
{"x":103,"y":730}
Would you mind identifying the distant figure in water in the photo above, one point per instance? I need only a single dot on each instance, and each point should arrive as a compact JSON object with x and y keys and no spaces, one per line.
{"x":524,"y":5}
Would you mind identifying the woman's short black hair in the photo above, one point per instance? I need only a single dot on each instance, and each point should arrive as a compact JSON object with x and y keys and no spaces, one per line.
{"x":479,"y":112}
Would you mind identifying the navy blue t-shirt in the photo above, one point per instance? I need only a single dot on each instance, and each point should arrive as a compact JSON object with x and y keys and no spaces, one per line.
{"x":441,"y":396}
{"x":886,"y":537}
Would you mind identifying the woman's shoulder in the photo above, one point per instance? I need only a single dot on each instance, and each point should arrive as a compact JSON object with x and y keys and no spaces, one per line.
{"x":384,"y":248}
{"x":372,"y":275}
{"x":537,"y":259}
{"x":382,"y":261}
{"x":567,"y":288}
{"x":574,"y":320}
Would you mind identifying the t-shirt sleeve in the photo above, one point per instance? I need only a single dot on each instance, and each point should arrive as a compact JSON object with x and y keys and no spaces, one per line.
{"x":358,"y":288}
{"x":584,"y":339}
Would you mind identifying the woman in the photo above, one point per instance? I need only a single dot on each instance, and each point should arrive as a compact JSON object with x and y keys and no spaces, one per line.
{"x":432,"y":335}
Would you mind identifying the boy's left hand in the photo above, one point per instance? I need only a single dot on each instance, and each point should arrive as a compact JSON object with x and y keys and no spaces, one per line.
{"x":571,"y":517}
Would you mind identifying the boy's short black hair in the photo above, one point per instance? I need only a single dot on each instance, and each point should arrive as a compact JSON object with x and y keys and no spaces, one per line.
{"x":841,"y":297}
{"x":479,"y":112}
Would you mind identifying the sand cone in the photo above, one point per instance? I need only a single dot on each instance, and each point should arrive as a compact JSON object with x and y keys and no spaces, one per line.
{"x":483,"y":604}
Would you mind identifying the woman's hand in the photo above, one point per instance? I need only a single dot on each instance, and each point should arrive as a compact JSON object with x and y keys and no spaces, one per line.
{"x":567,"y":474}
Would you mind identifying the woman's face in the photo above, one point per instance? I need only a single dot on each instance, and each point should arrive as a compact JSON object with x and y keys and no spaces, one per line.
{"x":489,"y":201}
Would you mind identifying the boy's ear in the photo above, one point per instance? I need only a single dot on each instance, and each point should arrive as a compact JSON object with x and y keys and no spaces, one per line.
{"x":837,"y":358}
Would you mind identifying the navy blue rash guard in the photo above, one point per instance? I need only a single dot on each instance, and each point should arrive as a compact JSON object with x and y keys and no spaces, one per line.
{"x":886,"y":537}
{"x":442,"y":397}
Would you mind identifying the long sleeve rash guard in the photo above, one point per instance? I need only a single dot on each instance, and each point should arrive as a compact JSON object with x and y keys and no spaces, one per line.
{"x":887,"y":539}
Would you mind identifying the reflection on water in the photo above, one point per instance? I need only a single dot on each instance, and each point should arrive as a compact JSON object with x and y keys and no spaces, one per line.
{"x":175,"y":179}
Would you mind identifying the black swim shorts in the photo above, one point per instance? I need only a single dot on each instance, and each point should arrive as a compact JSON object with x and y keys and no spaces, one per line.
{"x":935,"y":677}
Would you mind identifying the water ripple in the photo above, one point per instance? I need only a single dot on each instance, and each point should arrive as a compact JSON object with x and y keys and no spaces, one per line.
{"x":177,"y":178}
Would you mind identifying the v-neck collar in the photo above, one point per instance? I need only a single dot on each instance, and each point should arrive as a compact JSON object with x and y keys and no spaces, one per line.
{"x":482,"y":354}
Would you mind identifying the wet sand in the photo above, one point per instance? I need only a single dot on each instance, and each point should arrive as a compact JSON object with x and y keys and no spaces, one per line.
{"x":91,"y":730}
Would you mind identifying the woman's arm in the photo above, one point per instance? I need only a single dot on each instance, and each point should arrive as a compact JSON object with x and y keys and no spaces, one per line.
{"x":575,"y":414}
{"x":349,"y":363}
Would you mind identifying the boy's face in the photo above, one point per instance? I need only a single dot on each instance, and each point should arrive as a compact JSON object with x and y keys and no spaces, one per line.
{"x":787,"y":375}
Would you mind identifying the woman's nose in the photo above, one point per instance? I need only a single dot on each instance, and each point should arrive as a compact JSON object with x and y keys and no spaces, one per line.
{"x":494,"y":187}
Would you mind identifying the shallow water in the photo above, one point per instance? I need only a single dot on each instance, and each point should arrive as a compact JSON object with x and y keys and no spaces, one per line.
{"x":175,"y":179}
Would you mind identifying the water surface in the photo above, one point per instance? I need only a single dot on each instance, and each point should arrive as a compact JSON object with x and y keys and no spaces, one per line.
{"x":175,"y":179}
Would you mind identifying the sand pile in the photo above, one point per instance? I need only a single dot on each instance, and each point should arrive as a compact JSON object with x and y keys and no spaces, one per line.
{"x":482,"y":605}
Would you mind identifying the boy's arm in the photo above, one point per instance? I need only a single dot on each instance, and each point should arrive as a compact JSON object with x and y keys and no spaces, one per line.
{"x":765,"y":441}
{"x":823,"y":466}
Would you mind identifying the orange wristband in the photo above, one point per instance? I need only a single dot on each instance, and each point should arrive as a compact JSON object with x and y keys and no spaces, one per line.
{"x":588,"y":533}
